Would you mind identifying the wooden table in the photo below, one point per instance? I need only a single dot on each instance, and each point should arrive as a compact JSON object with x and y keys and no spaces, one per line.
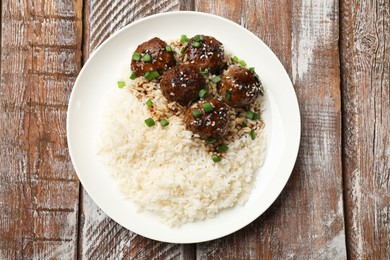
{"x":337,"y":201}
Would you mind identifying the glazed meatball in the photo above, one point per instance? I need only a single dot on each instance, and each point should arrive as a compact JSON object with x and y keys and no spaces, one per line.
{"x":182,"y":84}
{"x":239,"y":87}
{"x":152,"y":56}
{"x":206,"y":52}
{"x":207,"y":118}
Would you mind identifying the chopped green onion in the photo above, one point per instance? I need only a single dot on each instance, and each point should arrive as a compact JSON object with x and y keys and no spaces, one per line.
{"x":184,"y":38}
{"x":235,"y":59}
{"x":210,"y":140}
{"x":215,"y":79}
{"x":133,"y":75}
{"x":201,"y":38}
{"x":121,"y":84}
{"x":252,"y":115}
{"x":204,"y":73}
{"x":257,"y":116}
{"x":164,"y":122}
{"x":151,"y":75}
{"x":253,"y":134}
{"x":149,"y":122}
{"x":243,"y":63}
{"x":244,"y":124}
{"x":202,"y":93}
{"x":222,"y":148}
{"x":207,"y":107}
{"x":196,"y":44}
{"x":196,"y":38}
{"x":182,"y":50}
{"x":196,"y":113}
{"x":168,"y":48}
{"x":136,"y":56}
{"x":149,"y":103}
{"x":216,"y":158}
{"x":228,"y":95}
{"x":147,"y":57}
{"x":252,"y":70}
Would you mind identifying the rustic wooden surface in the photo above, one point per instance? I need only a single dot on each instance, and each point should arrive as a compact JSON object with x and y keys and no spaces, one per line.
{"x":365,"y":55}
{"x":337,"y":201}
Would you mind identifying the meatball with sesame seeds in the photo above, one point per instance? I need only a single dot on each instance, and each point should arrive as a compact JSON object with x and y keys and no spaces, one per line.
{"x":239,"y":87}
{"x":182,"y":84}
{"x":206,"y":52}
{"x":151,"y":56}
{"x":208,"y":118}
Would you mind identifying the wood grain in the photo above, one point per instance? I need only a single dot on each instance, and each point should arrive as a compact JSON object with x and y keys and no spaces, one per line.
{"x":101,"y":237}
{"x":365,"y":56}
{"x":40,"y":58}
{"x":306,"y":222}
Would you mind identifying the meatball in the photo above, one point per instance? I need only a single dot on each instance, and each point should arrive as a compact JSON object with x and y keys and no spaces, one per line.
{"x":239,"y":87}
{"x":206,"y":52}
{"x":152,"y":56}
{"x":182,"y":84}
{"x":208,"y":118}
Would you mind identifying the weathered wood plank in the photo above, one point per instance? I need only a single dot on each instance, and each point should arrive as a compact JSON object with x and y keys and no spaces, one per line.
{"x":306,"y":222}
{"x":40,"y":56}
{"x":365,"y":56}
{"x":101,"y":237}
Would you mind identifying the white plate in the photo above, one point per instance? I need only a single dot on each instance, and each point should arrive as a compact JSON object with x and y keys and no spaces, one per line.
{"x":101,"y":73}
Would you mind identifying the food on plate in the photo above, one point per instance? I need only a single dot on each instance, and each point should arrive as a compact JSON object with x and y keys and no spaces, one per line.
{"x":206,"y":52}
{"x":153,"y":57}
{"x":208,"y":118}
{"x":182,"y":84}
{"x":177,"y":146}
{"x":239,"y":86}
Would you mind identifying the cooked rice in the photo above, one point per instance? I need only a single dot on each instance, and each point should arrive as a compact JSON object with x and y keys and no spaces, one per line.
{"x":168,"y":170}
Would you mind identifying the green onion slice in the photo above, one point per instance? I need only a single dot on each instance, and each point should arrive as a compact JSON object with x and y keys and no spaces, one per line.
{"x":168,"y":48}
{"x":147,"y":57}
{"x":253,"y":134}
{"x":164,"y":122}
{"x":149,"y":122}
{"x":243,"y":63}
{"x":207,"y":107}
{"x":216,"y":158}
{"x":252,"y":115}
{"x":121,"y":84}
{"x":184,"y":38}
{"x":149,"y":103}
{"x":252,"y":70}
{"x":196,"y":44}
{"x":210,"y":140}
{"x":196,"y":38}
{"x":136,"y":56}
{"x":215,"y":79}
{"x":204,"y":73}
{"x":196,"y":113}
{"x":182,"y":50}
{"x":228,"y":95}
{"x":235,"y":59}
{"x":202,"y":93}
{"x":133,"y":75}
{"x":151,"y":75}
{"x":222,"y":148}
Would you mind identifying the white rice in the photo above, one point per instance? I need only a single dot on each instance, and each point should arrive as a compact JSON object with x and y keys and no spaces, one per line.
{"x":166,"y":170}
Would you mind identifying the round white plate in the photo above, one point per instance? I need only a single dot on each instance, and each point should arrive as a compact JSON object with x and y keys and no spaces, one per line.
{"x":101,"y":73}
